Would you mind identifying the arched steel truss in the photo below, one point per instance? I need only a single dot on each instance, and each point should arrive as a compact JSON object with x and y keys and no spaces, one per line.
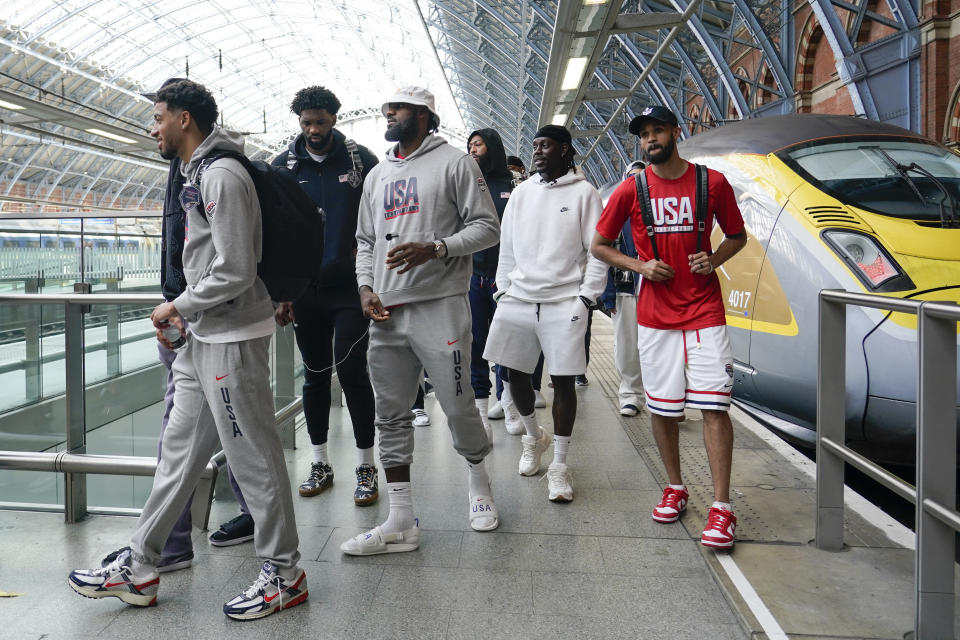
{"x":731,"y":59}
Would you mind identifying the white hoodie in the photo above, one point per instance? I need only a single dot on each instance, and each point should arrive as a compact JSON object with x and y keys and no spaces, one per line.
{"x":545,"y":241}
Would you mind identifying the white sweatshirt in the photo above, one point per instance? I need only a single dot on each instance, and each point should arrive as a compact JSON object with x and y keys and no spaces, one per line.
{"x":545,"y":241}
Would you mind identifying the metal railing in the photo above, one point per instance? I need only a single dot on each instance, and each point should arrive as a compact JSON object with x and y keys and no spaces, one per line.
{"x":74,"y":462}
{"x":934,"y":496}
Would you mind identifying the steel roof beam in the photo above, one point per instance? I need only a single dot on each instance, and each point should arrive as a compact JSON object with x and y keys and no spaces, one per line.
{"x":674,"y":32}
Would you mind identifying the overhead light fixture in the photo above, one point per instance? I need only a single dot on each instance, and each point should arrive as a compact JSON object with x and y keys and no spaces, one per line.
{"x":571,"y":78}
{"x":112,"y":136}
{"x":590,"y":3}
{"x":559,"y":119}
{"x":9,"y":105}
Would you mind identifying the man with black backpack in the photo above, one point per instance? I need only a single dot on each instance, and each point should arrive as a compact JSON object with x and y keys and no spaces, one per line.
{"x":327,"y":317}
{"x":222,"y":374}
{"x":682,"y":335}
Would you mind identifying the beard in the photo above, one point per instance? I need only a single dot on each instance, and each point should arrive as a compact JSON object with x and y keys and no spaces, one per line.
{"x":167,"y":153}
{"x":323,"y":142}
{"x":662,"y":154}
{"x":484,"y":163}
{"x":402,"y":131}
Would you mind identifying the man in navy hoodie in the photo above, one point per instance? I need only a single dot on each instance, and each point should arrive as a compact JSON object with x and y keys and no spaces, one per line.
{"x":327,"y":318}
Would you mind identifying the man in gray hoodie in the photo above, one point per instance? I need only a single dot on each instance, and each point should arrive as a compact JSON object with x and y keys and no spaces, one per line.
{"x":222,"y":374}
{"x":423,"y":213}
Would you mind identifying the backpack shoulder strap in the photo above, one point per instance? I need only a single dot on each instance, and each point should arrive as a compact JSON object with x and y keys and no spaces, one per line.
{"x":209,"y":160}
{"x":354,"y":152}
{"x":643,"y":197}
{"x":703,"y":192}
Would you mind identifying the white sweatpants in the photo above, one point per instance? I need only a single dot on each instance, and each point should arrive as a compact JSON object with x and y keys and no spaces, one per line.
{"x":625,"y":352}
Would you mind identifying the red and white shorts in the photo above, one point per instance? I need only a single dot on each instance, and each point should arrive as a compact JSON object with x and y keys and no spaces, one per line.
{"x":685,"y":368}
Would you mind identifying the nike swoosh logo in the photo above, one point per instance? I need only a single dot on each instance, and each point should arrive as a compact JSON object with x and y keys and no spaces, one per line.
{"x":271,"y":598}
{"x":454,"y":342}
{"x":219,"y":378}
{"x":110,"y":585}
{"x":304,"y":181}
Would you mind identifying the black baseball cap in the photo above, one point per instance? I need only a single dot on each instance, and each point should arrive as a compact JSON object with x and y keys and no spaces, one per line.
{"x":661,"y":114}
{"x":152,"y":96}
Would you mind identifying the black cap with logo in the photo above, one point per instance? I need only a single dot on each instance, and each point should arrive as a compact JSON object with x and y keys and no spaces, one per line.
{"x":152,"y":96}
{"x":661,"y":114}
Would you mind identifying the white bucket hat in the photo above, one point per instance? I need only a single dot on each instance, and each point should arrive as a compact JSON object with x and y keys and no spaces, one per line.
{"x":417,"y":96}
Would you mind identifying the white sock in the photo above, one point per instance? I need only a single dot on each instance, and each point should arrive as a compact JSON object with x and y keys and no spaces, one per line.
{"x":400,"y":495}
{"x":479,"y":480}
{"x":319,"y":452}
{"x":722,"y":505}
{"x":505,"y":397}
{"x":560,"y":446}
{"x":678,"y":487}
{"x":530,"y":424}
{"x":483,"y":404}
{"x":140,"y":569}
{"x":365,"y":456}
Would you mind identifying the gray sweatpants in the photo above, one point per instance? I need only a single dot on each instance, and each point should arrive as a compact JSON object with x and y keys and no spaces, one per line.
{"x":433,"y":335}
{"x":222,"y":393}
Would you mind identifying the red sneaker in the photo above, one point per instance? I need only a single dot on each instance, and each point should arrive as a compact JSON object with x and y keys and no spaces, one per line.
{"x":721,"y":525}
{"x":672,"y":504}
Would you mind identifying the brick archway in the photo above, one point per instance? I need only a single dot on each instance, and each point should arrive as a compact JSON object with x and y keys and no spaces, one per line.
{"x":810,"y":39}
{"x":951,"y":127}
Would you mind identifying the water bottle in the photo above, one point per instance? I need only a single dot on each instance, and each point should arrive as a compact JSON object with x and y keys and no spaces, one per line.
{"x":172,"y":333}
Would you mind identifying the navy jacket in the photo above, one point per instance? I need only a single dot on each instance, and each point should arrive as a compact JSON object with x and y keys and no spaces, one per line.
{"x":173,"y":230}
{"x":625,"y":244}
{"x":327,"y":184}
{"x":500,"y":182}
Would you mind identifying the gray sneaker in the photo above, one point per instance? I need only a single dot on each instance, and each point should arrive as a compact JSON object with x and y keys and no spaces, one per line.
{"x":320,"y":479}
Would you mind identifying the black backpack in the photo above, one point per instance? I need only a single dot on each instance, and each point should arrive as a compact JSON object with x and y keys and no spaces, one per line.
{"x":292,"y":227}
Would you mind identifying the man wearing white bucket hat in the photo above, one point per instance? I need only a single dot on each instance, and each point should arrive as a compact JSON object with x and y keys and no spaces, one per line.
{"x":423,"y":214}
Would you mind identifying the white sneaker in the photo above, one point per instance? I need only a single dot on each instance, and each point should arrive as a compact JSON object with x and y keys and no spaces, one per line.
{"x":629,"y":410}
{"x":511,"y":417}
{"x":495,"y":412}
{"x":558,"y":479}
{"x":420,"y":418}
{"x":538,"y":400}
{"x":533,"y":449}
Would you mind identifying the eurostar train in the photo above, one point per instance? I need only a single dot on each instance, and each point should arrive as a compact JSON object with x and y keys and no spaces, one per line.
{"x":834,"y":202}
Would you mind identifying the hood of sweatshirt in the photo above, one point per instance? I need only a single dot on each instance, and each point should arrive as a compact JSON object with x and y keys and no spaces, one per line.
{"x":218,"y":140}
{"x":495,"y":163}
{"x":429,"y":143}
{"x":568,"y":178}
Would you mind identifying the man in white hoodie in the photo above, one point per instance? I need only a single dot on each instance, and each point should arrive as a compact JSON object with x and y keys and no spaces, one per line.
{"x":424,"y":212}
{"x":547,"y":281}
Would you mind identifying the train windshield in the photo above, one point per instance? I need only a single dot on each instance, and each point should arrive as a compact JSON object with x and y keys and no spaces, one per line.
{"x":902,"y":178}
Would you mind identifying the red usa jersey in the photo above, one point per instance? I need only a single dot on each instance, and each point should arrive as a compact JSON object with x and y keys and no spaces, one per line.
{"x":687,"y":300}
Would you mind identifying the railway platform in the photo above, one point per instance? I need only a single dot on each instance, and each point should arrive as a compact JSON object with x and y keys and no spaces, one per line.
{"x":598,"y":567}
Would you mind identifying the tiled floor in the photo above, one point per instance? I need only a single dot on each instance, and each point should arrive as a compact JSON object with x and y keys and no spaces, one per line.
{"x":595,"y":568}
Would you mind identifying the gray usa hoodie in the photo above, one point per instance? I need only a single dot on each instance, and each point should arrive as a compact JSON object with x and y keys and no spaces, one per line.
{"x":435,"y":193}
{"x":224,"y":300}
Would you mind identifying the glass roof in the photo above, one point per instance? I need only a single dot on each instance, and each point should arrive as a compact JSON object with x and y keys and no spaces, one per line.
{"x":253,"y":54}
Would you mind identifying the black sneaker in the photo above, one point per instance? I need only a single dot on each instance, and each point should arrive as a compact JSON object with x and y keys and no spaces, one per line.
{"x":320,"y":479}
{"x":238,"y":530}
{"x":166,"y":565}
{"x":581,"y":380}
{"x":367,"y":491}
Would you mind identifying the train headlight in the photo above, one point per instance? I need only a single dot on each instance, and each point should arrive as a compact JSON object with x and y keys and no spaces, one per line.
{"x":867,"y":258}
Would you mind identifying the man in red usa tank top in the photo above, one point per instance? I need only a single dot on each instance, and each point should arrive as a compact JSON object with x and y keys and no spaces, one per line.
{"x":681,"y":335}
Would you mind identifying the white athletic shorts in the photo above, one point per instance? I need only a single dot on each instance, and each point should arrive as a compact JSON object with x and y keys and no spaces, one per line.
{"x":685,"y":368}
{"x":520,"y":330}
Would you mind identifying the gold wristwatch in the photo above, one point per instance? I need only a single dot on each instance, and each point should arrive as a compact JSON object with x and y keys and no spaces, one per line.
{"x":439,"y":249}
